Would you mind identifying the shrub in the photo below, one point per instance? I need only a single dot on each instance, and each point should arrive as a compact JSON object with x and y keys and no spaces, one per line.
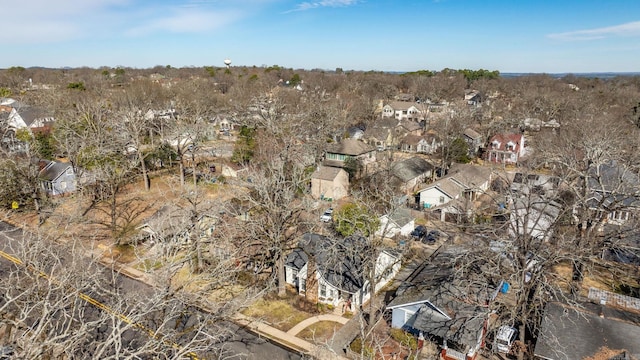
{"x":404,"y":338}
{"x":356,"y":347}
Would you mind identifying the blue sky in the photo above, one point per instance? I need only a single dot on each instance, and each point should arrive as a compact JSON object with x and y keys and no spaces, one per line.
{"x":387,"y":35}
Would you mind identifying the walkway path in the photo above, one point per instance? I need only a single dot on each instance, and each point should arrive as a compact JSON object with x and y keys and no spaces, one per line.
{"x":287,"y":339}
{"x":314,"y":319}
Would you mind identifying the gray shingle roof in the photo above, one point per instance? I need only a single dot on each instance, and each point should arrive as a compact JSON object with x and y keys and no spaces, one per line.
{"x":451,"y":309}
{"x":472,"y":134}
{"x":401,"y":217}
{"x":338,"y":261}
{"x":53,"y":169}
{"x":326,"y":173}
{"x":411,"y":168}
{"x":350,"y":147}
{"x":569,"y":333}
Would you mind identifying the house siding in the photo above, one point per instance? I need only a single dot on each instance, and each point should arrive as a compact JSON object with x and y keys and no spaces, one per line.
{"x":335,"y":189}
{"x":401,"y":315}
{"x":431,"y":198}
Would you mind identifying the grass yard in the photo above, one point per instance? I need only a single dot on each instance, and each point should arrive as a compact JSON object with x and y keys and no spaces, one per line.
{"x":277,"y":313}
{"x":319,"y":332}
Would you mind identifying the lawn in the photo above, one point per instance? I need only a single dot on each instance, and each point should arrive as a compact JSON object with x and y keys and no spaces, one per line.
{"x":277,"y":313}
{"x":319,"y":332}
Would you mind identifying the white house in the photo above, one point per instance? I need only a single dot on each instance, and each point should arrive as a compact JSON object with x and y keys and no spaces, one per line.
{"x":339,"y":269}
{"x":402,"y":110}
{"x":534,"y":217}
{"x":464,"y":183}
{"x":399,"y":222}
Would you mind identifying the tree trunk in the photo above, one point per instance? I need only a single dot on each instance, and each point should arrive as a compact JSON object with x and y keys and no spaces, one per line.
{"x":193,"y":168}
{"x":145,"y":173}
{"x":181,"y":170}
{"x":282,"y":290}
{"x":311,"y":290}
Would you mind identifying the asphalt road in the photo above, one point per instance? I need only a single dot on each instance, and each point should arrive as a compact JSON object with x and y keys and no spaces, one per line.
{"x":241,"y":344}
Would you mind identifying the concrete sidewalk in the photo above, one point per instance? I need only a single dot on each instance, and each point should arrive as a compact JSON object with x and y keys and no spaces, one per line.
{"x":314,"y":319}
{"x":289,"y":340}
{"x":285,"y":339}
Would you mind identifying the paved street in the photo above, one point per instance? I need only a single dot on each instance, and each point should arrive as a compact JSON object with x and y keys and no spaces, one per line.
{"x":240,"y":344}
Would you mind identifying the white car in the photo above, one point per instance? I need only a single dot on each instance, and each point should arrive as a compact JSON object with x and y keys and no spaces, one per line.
{"x":504,"y":339}
{"x":327,"y":216}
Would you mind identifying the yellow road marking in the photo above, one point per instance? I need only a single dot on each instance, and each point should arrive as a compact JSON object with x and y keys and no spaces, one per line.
{"x":101,"y":306}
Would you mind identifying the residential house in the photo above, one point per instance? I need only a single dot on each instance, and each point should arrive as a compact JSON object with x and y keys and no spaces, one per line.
{"x":399,"y":222}
{"x":544,"y":185}
{"x":57,"y":178}
{"x":613,"y":192}
{"x":472,"y":97}
{"x":381,"y":134}
{"x":474,"y":140}
{"x":622,"y":245}
{"x":408,"y":127}
{"x":411,"y":172}
{"x":535,"y":124}
{"x":506,"y":148}
{"x":402,"y":110}
{"x":588,"y":331}
{"x":339,"y":269}
{"x":28,"y":117}
{"x":231,"y":170}
{"x":172,"y":227}
{"x":533,"y":216}
{"x":329,"y":183}
{"x":354,"y":132}
{"x":15,"y":116}
{"x":456,"y":192}
{"x":451,"y":312}
{"x":337,"y":153}
{"x":424,"y":144}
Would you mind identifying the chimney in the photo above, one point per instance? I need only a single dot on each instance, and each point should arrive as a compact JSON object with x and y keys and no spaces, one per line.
{"x":43,"y":164}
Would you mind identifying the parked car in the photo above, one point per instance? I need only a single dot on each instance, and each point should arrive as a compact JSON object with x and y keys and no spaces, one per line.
{"x":419,"y":232}
{"x":505,"y":337}
{"x":327,"y":215}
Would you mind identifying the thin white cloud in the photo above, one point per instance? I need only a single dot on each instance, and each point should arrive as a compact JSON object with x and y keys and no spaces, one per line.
{"x":186,"y":21}
{"x":46,"y":21}
{"x":308,"y":5}
{"x":627,"y":29}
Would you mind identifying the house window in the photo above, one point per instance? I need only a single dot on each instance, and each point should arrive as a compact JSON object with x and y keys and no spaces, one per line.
{"x":323,"y":290}
{"x":303,"y":285}
{"x":441,"y":199}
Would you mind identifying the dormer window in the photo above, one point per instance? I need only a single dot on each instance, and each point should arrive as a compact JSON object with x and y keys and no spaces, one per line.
{"x":495,"y":145}
{"x":510,"y":146}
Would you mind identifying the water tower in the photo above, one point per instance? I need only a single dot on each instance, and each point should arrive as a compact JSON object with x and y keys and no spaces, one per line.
{"x":227,"y":62}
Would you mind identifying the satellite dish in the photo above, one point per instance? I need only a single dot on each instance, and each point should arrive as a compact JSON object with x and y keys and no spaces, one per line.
{"x":227,"y":62}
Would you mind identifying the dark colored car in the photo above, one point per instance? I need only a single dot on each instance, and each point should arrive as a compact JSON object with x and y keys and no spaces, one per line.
{"x":419,"y":232}
{"x":431,"y":237}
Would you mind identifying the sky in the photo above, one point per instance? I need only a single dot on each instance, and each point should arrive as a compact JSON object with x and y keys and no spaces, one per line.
{"x":537,"y":36}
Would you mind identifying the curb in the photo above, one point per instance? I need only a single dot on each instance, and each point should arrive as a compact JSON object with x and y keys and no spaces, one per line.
{"x":260,"y":329}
